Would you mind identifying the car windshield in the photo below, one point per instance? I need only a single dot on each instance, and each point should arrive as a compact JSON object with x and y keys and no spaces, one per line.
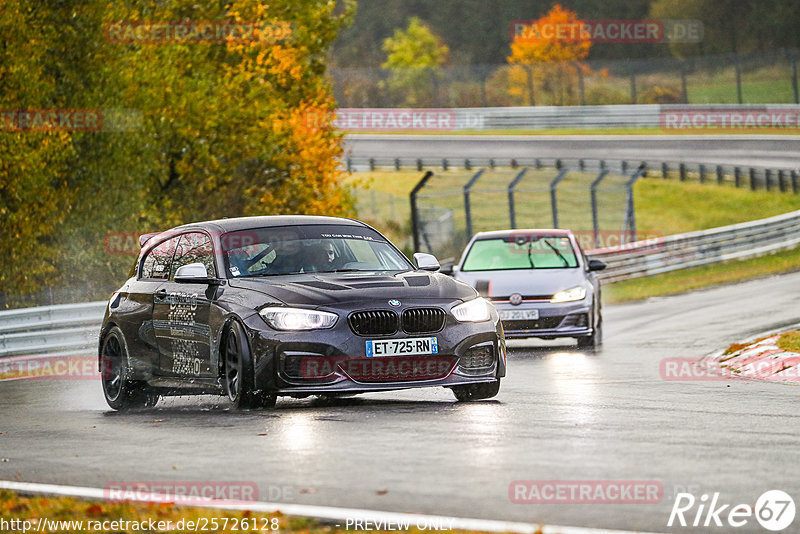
{"x":520,"y":252}
{"x":309,"y":249}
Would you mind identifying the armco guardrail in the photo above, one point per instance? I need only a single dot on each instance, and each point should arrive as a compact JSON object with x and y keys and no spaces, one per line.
{"x":48,"y":329}
{"x":74,"y":328}
{"x":669,"y":116}
{"x":545,"y":117}
{"x":737,"y":241}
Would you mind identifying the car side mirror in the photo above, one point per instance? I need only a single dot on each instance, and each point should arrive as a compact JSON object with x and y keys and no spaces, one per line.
{"x":596,"y":265}
{"x":426,"y":262}
{"x":447,"y":268}
{"x":194,"y":273}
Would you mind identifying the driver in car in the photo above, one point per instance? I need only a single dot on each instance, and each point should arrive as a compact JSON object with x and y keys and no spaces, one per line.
{"x":333,"y":260}
{"x":322,"y":258}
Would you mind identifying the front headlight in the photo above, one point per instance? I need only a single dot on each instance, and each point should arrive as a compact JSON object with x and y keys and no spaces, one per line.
{"x":298,"y":318}
{"x":570,"y":295}
{"x":474,"y":311}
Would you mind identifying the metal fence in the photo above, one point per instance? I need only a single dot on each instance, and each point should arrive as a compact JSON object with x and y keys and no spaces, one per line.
{"x":769,"y":77}
{"x":693,"y":249}
{"x":755,"y":178}
{"x":66,"y":329}
{"x":590,"y":197}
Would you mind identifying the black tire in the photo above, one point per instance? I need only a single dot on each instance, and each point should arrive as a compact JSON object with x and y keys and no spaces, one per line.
{"x":120,"y":390}
{"x":238,"y":374}
{"x":473,"y":392}
{"x":595,"y":341}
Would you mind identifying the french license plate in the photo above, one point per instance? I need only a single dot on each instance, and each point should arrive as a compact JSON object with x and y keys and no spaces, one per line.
{"x":394,"y":347}
{"x":519,"y":315}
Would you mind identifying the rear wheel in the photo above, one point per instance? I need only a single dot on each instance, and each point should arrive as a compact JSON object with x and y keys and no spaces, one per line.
{"x":473,"y":392}
{"x":239,"y":375}
{"x":120,"y":390}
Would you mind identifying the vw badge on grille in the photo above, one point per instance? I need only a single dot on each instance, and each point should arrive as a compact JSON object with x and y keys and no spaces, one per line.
{"x":515,"y":299}
{"x":394,"y":302}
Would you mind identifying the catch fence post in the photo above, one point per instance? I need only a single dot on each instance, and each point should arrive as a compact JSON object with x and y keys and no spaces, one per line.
{"x":467,"y":207}
{"x":512,"y":210}
{"x":414,"y":212}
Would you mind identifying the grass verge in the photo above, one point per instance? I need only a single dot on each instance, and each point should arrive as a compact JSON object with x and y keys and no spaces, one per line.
{"x":701,"y":277}
{"x":790,"y":341}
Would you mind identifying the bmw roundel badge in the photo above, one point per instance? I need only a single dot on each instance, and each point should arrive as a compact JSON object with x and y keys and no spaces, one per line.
{"x":394,"y":302}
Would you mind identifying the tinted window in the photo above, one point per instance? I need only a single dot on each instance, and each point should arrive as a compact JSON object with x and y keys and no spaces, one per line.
{"x":156,"y":264}
{"x":194,"y":247}
{"x":309,"y":248}
{"x":520,"y":252}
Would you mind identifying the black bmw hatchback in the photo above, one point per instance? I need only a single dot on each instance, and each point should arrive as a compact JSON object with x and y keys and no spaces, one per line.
{"x":260,"y":307}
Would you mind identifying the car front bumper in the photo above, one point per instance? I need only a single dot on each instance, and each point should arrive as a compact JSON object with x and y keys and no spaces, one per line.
{"x":565,"y":319}
{"x":335,"y":360}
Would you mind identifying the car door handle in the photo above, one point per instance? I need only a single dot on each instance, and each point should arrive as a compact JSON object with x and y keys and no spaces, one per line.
{"x":161,"y":293}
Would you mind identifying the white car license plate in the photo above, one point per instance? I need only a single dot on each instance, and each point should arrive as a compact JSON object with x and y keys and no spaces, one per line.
{"x":519,"y":315}
{"x":394,"y":347}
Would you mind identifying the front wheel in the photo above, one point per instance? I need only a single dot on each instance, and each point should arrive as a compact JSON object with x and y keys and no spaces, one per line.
{"x":120,"y":390}
{"x":239,"y":375}
{"x":594,"y":341}
{"x":473,"y":392}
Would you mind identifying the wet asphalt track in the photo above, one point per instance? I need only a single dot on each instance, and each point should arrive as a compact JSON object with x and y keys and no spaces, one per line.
{"x":560,"y":414}
{"x":777,"y":151}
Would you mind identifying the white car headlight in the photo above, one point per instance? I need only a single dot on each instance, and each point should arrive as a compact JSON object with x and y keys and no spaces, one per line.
{"x":570,"y":295}
{"x":473,"y":311}
{"x":298,"y":318}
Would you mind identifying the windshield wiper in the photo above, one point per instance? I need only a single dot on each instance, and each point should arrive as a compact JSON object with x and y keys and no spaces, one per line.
{"x":554,"y":249}
{"x":530,"y":250}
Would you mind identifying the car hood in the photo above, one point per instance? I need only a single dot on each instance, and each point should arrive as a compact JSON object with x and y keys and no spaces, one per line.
{"x":527,"y":282}
{"x":326,"y":289}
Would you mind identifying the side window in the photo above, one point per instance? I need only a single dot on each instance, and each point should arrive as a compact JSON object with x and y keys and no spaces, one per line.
{"x":156,"y":264}
{"x":194,"y":247}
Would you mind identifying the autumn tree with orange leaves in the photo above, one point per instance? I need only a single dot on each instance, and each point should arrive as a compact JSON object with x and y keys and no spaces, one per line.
{"x":546,"y":58}
{"x":224,"y":128}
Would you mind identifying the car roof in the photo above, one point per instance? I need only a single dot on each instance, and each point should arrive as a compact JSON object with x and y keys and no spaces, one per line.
{"x":221,"y":226}
{"x":245,"y":223}
{"x":557,"y":232}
